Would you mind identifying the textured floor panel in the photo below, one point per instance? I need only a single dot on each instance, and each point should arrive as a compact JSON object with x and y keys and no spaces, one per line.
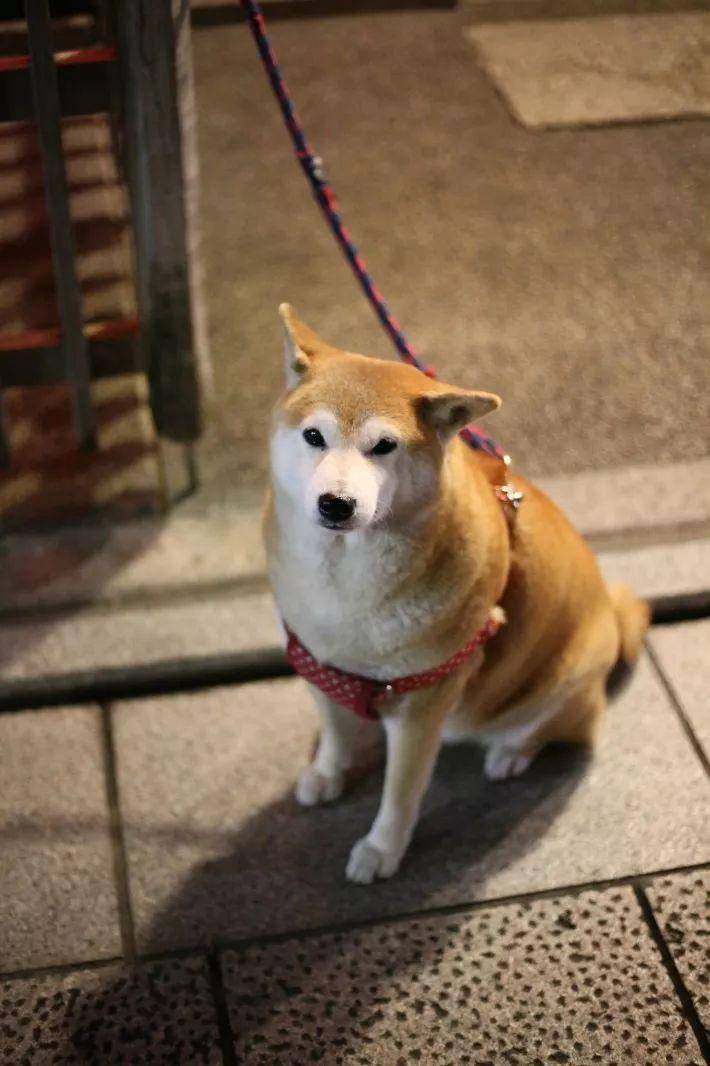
{"x":684,"y":654}
{"x":601,"y":69}
{"x":159,"y":1013}
{"x":682,"y":906}
{"x":50,"y":483}
{"x":57,"y":897}
{"x":660,"y":569}
{"x":205,"y":547}
{"x":576,"y":980}
{"x":217,"y":844}
{"x":133,"y":636}
{"x":635,"y":497}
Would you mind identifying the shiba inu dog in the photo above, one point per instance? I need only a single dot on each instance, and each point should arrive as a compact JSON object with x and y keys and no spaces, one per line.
{"x":390,"y":545}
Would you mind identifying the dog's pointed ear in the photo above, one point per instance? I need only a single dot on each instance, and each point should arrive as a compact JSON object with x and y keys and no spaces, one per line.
{"x":449,"y":410}
{"x":296,"y":360}
{"x":301,"y":345}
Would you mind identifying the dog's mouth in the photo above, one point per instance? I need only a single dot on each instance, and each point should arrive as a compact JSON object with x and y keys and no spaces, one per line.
{"x":337,"y":527}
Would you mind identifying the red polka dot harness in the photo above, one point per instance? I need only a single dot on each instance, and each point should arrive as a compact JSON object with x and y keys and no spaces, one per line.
{"x":363,"y":694}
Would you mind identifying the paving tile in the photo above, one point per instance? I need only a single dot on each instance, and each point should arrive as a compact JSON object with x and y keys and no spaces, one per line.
{"x":217,"y":844}
{"x":161,"y":1012}
{"x":92,"y":638}
{"x":571,"y":980}
{"x":684,"y":653}
{"x":682,"y":906}
{"x":600,"y":69}
{"x":49,"y":482}
{"x":604,"y":501}
{"x":660,"y":569}
{"x":57,"y":900}
{"x":199,"y":545}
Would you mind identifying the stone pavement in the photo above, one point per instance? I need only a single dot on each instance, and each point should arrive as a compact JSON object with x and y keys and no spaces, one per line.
{"x":163,"y":898}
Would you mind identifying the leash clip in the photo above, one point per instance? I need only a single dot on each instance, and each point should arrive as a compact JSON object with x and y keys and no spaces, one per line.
{"x":315,"y":163}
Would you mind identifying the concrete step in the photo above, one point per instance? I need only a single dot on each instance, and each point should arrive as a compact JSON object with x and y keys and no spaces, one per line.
{"x":220,"y":545}
{"x":222,"y":629}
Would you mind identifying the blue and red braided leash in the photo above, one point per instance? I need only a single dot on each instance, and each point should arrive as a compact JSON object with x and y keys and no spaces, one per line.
{"x":325,"y":197}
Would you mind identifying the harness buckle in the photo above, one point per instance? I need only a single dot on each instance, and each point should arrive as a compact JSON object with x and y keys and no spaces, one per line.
{"x":509,"y":494}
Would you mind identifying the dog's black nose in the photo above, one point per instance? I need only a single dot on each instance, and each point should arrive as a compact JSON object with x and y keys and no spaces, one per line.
{"x":336,"y":508}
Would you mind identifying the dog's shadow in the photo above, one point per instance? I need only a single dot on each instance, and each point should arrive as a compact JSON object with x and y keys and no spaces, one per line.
{"x":284,"y":870}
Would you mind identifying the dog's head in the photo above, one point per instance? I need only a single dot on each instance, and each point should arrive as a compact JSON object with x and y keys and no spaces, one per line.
{"x":360,"y":441}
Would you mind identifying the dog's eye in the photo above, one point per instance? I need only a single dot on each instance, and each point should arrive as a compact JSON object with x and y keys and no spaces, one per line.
{"x":314,"y":437}
{"x":384,"y":446}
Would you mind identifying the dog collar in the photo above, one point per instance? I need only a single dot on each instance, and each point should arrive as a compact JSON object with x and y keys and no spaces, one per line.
{"x":363,"y":694}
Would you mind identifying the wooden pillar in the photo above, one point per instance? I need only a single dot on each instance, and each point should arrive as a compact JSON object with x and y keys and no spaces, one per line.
{"x":153,"y":151}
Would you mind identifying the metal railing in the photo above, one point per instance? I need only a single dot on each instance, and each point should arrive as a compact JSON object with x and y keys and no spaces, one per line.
{"x":46,"y":96}
{"x":135,"y":82}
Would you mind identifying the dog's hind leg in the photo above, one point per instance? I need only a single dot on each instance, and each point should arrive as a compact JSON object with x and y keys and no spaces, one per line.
{"x":580,"y":718}
{"x":575,"y":721}
{"x":503,"y":762}
{"x":343,"y":738}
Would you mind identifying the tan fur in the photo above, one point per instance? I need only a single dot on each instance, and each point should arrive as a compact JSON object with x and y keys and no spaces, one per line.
{"x":633,"y":617}
{"x":404,"y":594}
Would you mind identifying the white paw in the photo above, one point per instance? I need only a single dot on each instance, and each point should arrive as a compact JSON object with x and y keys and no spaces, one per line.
{"x":502,"y":763}
{"x":314,"y":787}
{"x":367,"y":862}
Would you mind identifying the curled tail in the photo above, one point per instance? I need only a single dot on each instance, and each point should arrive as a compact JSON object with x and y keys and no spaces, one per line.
{"x":633,"y":617}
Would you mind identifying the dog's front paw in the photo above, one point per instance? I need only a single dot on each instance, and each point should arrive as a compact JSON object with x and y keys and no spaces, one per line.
{"x":367,"y":862}
{"x":314,"y":787}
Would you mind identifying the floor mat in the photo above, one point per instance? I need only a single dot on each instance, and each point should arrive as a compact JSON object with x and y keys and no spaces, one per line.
{"x":578,"y":72}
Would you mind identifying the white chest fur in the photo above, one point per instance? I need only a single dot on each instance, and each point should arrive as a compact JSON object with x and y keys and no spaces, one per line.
{"x":351,"y":600}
